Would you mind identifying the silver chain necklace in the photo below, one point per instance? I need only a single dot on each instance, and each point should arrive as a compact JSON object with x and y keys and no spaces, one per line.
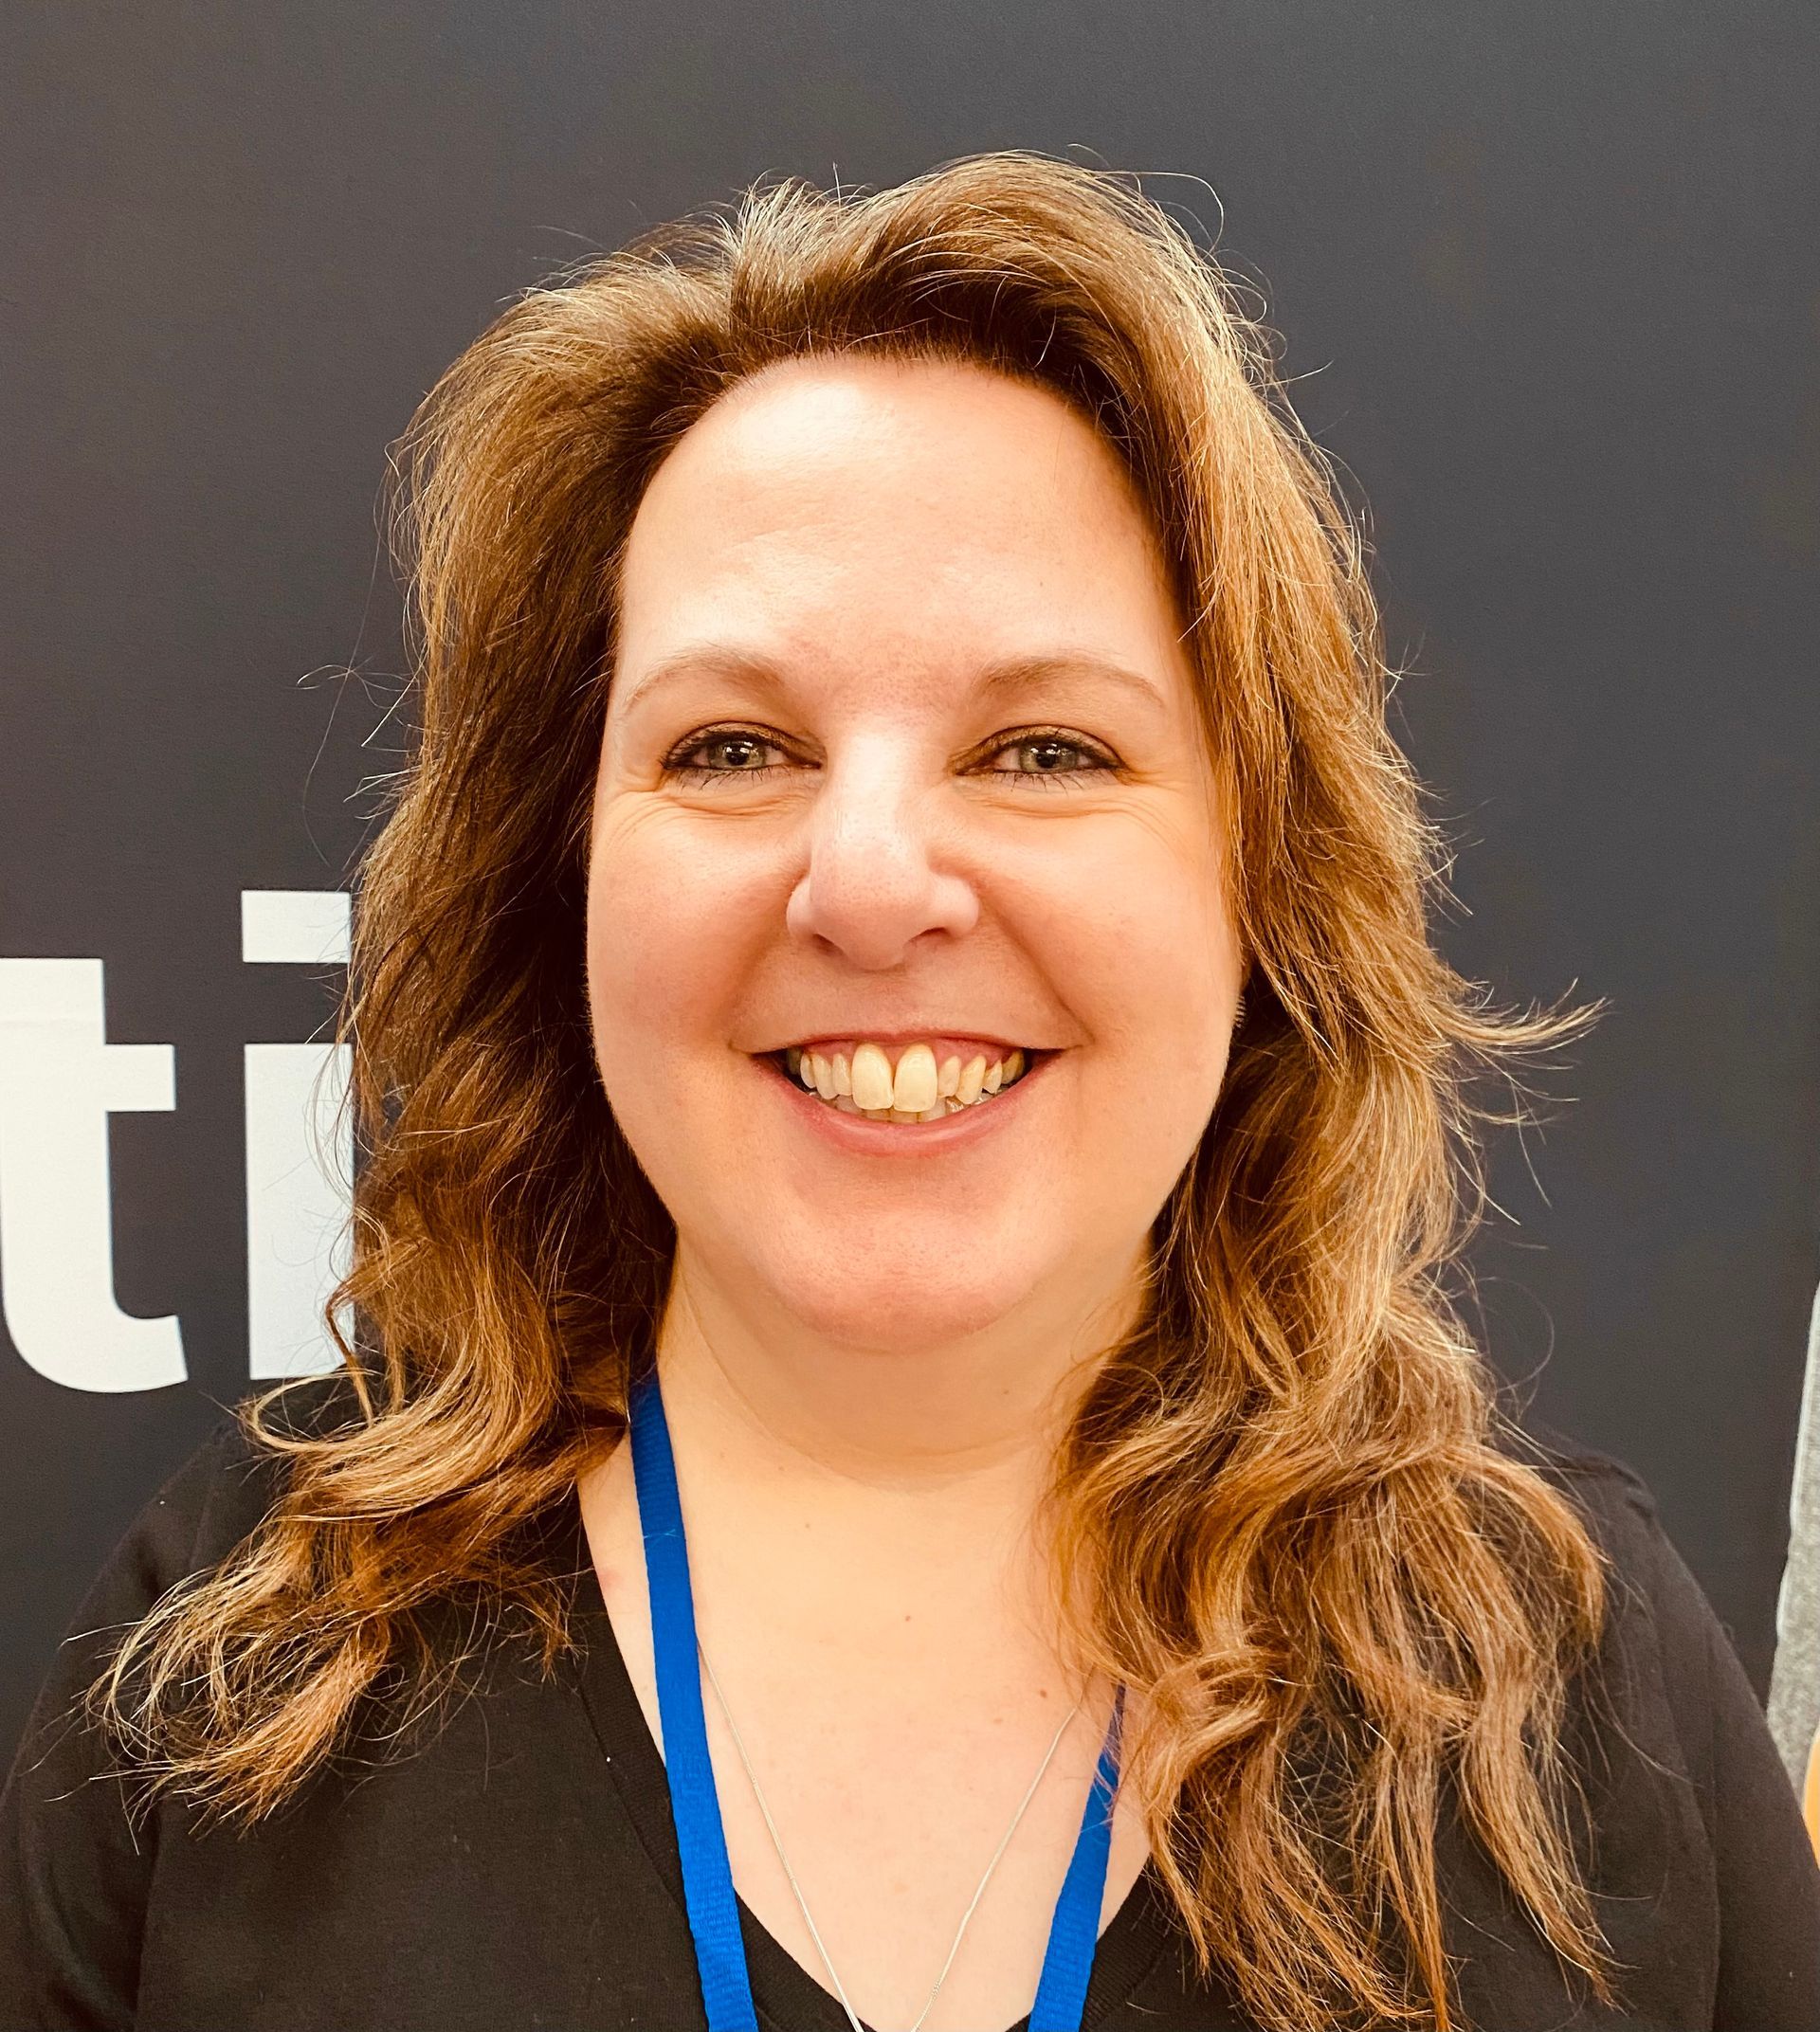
{"x":852,"y":2016}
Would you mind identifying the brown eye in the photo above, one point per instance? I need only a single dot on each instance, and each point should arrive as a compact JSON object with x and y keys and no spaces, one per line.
{"x":1051,"y":756}
{"x":729,"y":752}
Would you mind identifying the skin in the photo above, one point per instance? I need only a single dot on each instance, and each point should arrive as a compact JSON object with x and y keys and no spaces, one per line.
{"x":866,"y":1354}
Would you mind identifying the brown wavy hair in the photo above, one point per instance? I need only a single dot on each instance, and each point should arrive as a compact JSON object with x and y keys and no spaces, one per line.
{"x":1290,"y":1509}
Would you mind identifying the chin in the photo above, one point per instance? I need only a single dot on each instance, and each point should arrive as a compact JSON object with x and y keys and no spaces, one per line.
{"x":893,"y":1310}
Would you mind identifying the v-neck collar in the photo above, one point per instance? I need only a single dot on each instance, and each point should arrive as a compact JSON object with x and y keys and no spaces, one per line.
{"x":787,"y":1996}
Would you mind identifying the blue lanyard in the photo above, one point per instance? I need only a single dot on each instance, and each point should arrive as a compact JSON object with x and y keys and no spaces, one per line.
{"x":707,"y":1876}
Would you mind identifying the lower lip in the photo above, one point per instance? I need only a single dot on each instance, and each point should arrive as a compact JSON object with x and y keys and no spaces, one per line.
{"x":904,"y":1139}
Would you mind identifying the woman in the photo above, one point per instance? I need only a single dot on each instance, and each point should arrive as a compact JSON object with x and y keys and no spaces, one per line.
{"x":894,"y":1028}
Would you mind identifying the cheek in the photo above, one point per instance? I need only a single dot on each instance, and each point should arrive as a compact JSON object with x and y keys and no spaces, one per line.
{"x":1139,"y":936}
{"x":668,"y":930}
{"x":1151,"y":961}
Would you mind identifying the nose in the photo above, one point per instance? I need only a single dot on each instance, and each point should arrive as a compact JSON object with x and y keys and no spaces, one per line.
{"x":879,"y":841}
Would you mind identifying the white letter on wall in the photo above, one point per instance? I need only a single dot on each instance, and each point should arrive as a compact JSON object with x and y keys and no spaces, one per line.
{"x":60,"y":1079}
{"x":300,"y":1159}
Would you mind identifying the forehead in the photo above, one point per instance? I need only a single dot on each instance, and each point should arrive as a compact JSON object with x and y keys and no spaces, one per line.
{"x":859,"y":497}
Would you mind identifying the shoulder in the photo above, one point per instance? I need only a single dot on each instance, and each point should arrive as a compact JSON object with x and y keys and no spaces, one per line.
{"x":219,"y":1496}
{"x":1659,"y":1623}
{"x":1649,"y":1578}
{"x":75,"y":1867}
{"x":1667,"y":1684}
{"x":1647,"y":1573}
{"x":194,"y":1520}
{"x":1673,"y":1712}
{"x":1609,"y":1491}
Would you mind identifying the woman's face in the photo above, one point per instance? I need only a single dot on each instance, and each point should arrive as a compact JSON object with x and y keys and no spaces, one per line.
{"x":901,"y":764}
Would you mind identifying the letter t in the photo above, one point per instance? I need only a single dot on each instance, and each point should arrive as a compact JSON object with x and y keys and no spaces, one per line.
{"x":60,"y":1079}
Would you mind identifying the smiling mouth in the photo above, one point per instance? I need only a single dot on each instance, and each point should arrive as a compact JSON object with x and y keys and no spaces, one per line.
{"x":919,"y":1088}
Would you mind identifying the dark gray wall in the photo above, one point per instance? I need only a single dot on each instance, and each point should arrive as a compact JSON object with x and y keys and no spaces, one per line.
{"x":1548,"y":281}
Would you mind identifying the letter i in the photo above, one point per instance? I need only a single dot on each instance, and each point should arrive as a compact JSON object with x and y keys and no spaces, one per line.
{"x":300,"y":1148}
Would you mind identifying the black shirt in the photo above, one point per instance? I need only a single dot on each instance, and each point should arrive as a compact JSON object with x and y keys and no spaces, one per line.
{"x":519,"y":1867}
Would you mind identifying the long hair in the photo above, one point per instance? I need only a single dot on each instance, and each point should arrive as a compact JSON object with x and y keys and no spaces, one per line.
{"x":1290,"y":1511}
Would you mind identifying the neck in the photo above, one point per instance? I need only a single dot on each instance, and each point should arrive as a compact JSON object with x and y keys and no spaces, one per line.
{"x":889,"y":1440}
{"x":959,"y":1422}
{"x":893,"y":1494}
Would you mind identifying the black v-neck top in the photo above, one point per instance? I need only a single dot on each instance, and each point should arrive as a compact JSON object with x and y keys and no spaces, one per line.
{"x":518,"y":1866}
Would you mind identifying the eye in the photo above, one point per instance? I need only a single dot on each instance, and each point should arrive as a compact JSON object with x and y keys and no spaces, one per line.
{"x":743,"y":748}
{"x":1041,"y":754}
{"x":1054,"y":755}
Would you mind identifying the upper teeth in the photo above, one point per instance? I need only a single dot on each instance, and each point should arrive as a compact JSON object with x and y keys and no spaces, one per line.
{"x":917,"y":1089}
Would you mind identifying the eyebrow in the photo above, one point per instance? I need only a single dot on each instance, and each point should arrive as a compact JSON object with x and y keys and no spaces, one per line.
{"x":1002,"y":677}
